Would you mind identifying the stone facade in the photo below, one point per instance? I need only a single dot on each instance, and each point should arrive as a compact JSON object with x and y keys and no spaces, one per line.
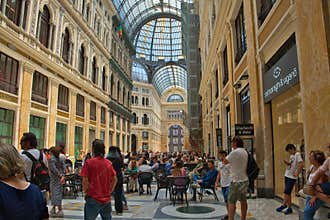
{"x":89,"y":26}
{"x":300,"y":112}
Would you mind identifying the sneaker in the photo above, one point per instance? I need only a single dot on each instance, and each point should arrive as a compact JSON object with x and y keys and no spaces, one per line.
{"x":125,"y":207}
{"x":60,"y":214}
{"x":288,"y":211}
{"x":281,"y":208}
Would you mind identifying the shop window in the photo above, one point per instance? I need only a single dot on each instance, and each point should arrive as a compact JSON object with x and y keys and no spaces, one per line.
{"x":66,"y":46}
{"x":63,"y":98}
{"x":91,"y":138}
{"x":6,"y":125}
{"x":245,"y":106}
{"x":44,"y":27}
{"x":264,"y":7}
{"x":37,"y":127}
{"x":225,"y":67}
{"x":103,"y":112}
{"x":61,"y":134}
{"x":241,"y":45}
{"x":8,"y":74}
{"x":78,"y":142}
{"x":92,"y":111}
{"x":40,"y":88}
{"x":80,"y":105}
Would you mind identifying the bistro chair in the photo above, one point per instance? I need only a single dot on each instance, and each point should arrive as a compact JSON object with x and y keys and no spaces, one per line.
{"x":210,"y":186}
{"x":179,"y":187}
{"x":145,"y":178}
{"x":162,"y":182}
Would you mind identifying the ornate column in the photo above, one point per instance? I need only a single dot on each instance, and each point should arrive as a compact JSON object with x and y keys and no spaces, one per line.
{"x":52,"y":112}
{"x":59,"y":33}
{"x":25,"y":102}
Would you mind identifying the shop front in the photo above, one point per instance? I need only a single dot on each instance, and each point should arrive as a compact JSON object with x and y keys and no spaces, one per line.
{"x":281,"y":90}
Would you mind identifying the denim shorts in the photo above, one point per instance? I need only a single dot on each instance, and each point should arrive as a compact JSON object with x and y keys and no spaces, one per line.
{"x":289,"y":184}
{"x":225,"y":192}
{"x":93,"y":208}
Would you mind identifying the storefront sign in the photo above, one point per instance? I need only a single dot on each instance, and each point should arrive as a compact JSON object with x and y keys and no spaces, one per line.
{"x":282,"y":76}
{"x":218,"y":132}
{"x":244,"y":129}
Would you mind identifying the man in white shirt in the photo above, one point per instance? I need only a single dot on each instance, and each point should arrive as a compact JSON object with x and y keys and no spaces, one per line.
{"x":294,"y":167}
{"x":237,"y":159}
{"x":29,"y":144}
{"x":145,"y":167}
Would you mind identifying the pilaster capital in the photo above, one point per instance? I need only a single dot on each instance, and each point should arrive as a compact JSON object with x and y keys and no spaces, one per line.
{"x":28,"y":67}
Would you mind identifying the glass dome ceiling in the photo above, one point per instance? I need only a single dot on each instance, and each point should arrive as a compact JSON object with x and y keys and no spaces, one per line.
{"x":159,"y":39}
{"x":136,"y":12}
{"x":139,"y":73}
{"x":168,"y":77}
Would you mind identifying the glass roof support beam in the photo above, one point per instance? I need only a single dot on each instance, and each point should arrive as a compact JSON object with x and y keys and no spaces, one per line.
{"x":152,"y":40}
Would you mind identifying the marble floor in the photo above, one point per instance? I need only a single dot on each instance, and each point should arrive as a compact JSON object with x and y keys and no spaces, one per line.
{"x":145,"y":208}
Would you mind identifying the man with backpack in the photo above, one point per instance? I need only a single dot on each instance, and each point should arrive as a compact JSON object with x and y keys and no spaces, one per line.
{"x":238,"y":160}
{"x":36,"y":164}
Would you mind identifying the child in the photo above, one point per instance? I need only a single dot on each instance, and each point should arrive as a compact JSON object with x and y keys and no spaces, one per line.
{"x":224,"y":177}
{"x":294,"y":167}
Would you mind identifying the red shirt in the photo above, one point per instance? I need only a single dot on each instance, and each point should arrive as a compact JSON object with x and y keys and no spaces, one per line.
{"x":99,"y":171}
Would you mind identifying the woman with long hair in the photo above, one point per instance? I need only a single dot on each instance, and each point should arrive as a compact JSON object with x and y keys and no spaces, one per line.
{"x":57,"y":179}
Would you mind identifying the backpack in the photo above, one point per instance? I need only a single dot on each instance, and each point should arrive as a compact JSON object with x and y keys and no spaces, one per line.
{"x":252,"y":168}
{"x":39,"y":171}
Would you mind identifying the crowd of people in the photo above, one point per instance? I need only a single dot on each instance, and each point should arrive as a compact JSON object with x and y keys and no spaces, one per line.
{"x":30,"y":177}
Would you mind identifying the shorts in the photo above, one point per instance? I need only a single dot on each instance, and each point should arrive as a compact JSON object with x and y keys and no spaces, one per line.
{"x":237,"y":191}
{"x":289,"y":184}
{"x":225,"y":192}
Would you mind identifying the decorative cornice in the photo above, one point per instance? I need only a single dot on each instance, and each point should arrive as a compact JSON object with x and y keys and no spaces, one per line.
{"x":115,"y":106}
{"x":121,"y":72}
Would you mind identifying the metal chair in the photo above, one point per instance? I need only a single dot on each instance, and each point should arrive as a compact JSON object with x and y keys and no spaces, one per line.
{"x":162,"y":182}
{"x":145,"y":178}
{"x":210,"y":186}
{"x":179,"y":186}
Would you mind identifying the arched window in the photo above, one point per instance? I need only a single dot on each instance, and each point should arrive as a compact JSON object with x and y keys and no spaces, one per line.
{"x":118,"y":90}
{"x":111,"y":85}
{"x":145,"y":119}
{"x":81,"y":60}
{"x":66,"y":46}
{"x":143,"y":102}
{"x":94,"y":71}
{"x":132,"y":101}
{"x":147,"y":101}
{"x":135,"y":119}
{"x":44,"y":27}
{"x":87,"y":13}
{"x":175,"y":98}
{"x":136,"y":100}
{"x":124,"y":95}
{"x":104,"y":80}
